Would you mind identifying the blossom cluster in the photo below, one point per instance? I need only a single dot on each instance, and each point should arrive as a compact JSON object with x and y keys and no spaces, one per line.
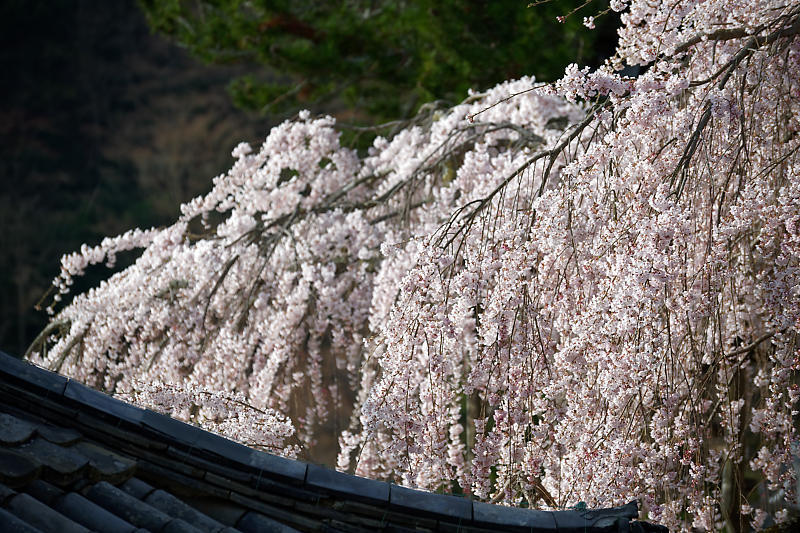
{"x":588,"y":291}
{"x":224,"y":413}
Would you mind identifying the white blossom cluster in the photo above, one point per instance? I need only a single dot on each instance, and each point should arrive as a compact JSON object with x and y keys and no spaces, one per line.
{"x":588,"y":291}
{"x":227,"y":414}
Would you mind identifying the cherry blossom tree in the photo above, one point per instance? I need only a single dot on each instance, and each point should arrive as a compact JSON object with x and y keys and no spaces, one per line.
{"x":582,"y":291}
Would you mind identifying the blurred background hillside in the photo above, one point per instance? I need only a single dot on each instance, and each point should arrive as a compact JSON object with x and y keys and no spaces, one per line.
{"x":109,"y":123}
{"x":104,"y":126}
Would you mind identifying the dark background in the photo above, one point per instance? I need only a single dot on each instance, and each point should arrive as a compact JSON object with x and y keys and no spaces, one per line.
{"x":104,"y":126}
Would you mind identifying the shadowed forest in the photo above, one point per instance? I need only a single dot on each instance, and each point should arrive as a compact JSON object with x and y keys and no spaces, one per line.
{"x":105,"y":126}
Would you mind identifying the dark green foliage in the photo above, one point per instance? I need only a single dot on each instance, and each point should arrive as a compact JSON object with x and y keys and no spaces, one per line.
{"x":381,"y":57}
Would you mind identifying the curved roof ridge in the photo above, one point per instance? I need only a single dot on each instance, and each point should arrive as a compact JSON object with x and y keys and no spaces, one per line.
{"x":178,"y":457}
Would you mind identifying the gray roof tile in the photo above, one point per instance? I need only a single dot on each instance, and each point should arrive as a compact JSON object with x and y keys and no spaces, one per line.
{"x":102,"y":402}
{"x":206,"y":466}
{"x":181,"y":432}
{"x":42,"y":516}
{"x":441,"y":504}
{"x":11,"y":524}
{"x":170,"y":480}
{"x":61,"y":465}
{"x":325,"y":513}
{"x":148,"y":460}
{"x":450,"y":527}
{"x":256,"y":523}
{"x":137,"y":488}
{"x":105,"y":464}
{"x":127,"y":507}
{"x":31,"y":374}
{"x":510,"y":516}
{"x":355,"y":487}
{"x":266,"y":490}
{"x":273,"y":465}
{"x":17,"y":469}
{"x":176,"y":525}
{"x":122,"y":436}
{"x":629,"y":510}
{"x":14,"y":431}
{"x":568,"y":522}
{"x":221,"y":510}
{"x":580,"y":521}
{"x":6,"y":493}
{"x":283,"y":515}
{"x":73,"y":459}
{"x":169,"y":504}
{"x":44,"y":491}
{"x":389,"y":517}
{"x":57,"y":435}
{"x":91,"y":515}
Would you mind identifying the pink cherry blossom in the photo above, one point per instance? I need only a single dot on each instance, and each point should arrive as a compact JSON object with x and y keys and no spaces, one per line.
{"x":583,"y":291}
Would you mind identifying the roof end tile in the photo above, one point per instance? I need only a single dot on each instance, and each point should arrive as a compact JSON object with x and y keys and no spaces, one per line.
{"x":30,"y":373}
{"x":441,"y":504}
{"x":357,"y":487}
{"x":103,"y":402}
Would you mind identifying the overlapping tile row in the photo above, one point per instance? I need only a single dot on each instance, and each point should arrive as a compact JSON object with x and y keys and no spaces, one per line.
{"x":73,"y":459}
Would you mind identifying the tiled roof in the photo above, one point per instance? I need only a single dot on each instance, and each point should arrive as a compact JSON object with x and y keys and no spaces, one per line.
{"x":74,"y":460}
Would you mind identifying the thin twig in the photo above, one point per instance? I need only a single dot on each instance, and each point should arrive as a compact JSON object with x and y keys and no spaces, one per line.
{"x":506,"y":99}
